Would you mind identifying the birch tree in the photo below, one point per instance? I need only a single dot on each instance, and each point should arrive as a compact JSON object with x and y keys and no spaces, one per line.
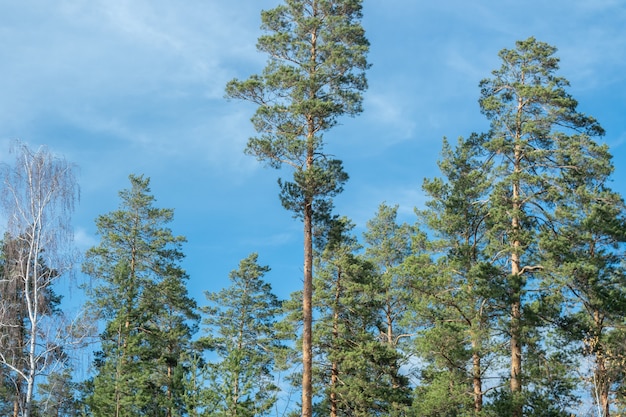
{"x":39,"y":193}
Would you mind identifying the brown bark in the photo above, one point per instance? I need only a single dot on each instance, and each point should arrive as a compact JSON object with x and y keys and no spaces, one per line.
{"x":307,"y":313}
{"x":307,"y":293}
{"x":516,"y":311}
{"x":334,"y":376}
{"x":602,"y":383}
{"x":16,"y":401}
{"x":477,"y":383}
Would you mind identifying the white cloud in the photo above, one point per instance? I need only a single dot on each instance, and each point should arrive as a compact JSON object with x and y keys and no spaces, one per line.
{"x":83,"y":239}
{"x":391,"y":112}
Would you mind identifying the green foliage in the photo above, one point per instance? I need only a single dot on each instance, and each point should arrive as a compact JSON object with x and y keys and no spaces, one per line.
{"x":140,"y":292}
{"x":459,"y":293}
{"x":316,"y":74}
{"x":357,"y":372}
{"x":537,"y":138}
{"x":57,"y":396}
{"x":585,"y":255}
{"x":239,"y":322}
{"x":388,"y":244}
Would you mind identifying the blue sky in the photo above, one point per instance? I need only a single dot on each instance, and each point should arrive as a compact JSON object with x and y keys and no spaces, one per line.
{"x":121,"y":87}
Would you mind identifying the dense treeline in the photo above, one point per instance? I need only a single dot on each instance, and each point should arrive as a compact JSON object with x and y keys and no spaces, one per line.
{"x":505,"y":297}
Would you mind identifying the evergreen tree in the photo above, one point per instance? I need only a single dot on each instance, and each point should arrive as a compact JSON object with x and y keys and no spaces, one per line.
{"x":239,"y":323}
{"x":356,"y":374}
{"x":315,"y":74}
{"x":534,"y":124}
{"x":585,"y":255}
{"x":149,"y":319}
{"x":460,"y":293}
{"x":57,"y":397}
{"x":388,"y":245}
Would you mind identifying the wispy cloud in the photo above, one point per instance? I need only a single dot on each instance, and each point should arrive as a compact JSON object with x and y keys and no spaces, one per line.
{"x":127,"y":73}
{"x":83,"y":239}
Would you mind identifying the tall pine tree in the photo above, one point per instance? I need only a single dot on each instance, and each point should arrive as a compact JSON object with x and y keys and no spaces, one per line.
{"x":534,"y":125}
{"x":387,"y":245}
{"x":315,"y":74}
{"x":585,"y":254}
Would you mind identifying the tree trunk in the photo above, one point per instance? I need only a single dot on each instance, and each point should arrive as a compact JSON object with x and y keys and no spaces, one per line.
{"x":307,"y":312}
{"x":32,"y":302}
{"x":477,"y":381}
{"x":334,"y":376}
{"x":307,"y":293}
{"x":516,"y":354}
{"x":16,"y":401}
{"x":602,"y":383}
{"x":516,"y":279}
{"x":516,"y":345}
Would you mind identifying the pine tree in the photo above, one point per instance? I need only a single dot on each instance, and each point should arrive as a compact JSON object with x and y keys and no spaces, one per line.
{"x":149,"y":319}
{"x":387,"y":245}
{"x":534,"y":123}
{"x":585,"y":254}
{"x":315,"y":74}
{"x":239,"y":327}
{"x":57,"y":397}
{"x":356,"y":373}
{"x":459,"y":293}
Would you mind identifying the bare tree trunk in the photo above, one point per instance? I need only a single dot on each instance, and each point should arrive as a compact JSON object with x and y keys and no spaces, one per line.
{"x":602,"y":382}
{"x":31,"y":293}
{"x":334,"y":375}
{"x":477,"y":382}
{"x":307,"y":311}
{"x":516,"y":279}
{"x":307,"y":293}
{"x":515,"y":328}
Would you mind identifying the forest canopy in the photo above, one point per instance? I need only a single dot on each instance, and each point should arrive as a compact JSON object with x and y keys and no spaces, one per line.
{"x":503,"y":295}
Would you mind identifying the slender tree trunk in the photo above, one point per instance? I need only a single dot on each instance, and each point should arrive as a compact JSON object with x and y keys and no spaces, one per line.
{"x":307,"y":296}
{"x":516,"y":350}
{"x":477,"y":380}
{"x":16,"y":401}
{"x":389,"y":320}
{"x":118,"y":371}
{"x":169,"y":390}
{"x":395,"y":383}
{"x":516,"y":302}
{"x":334,"y":376}
{"x":602,"y":386}
{"x":516,"y":345}
{"x":307,"y":293}
{"x":602,"y":383}
{"x":31,"y":293}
